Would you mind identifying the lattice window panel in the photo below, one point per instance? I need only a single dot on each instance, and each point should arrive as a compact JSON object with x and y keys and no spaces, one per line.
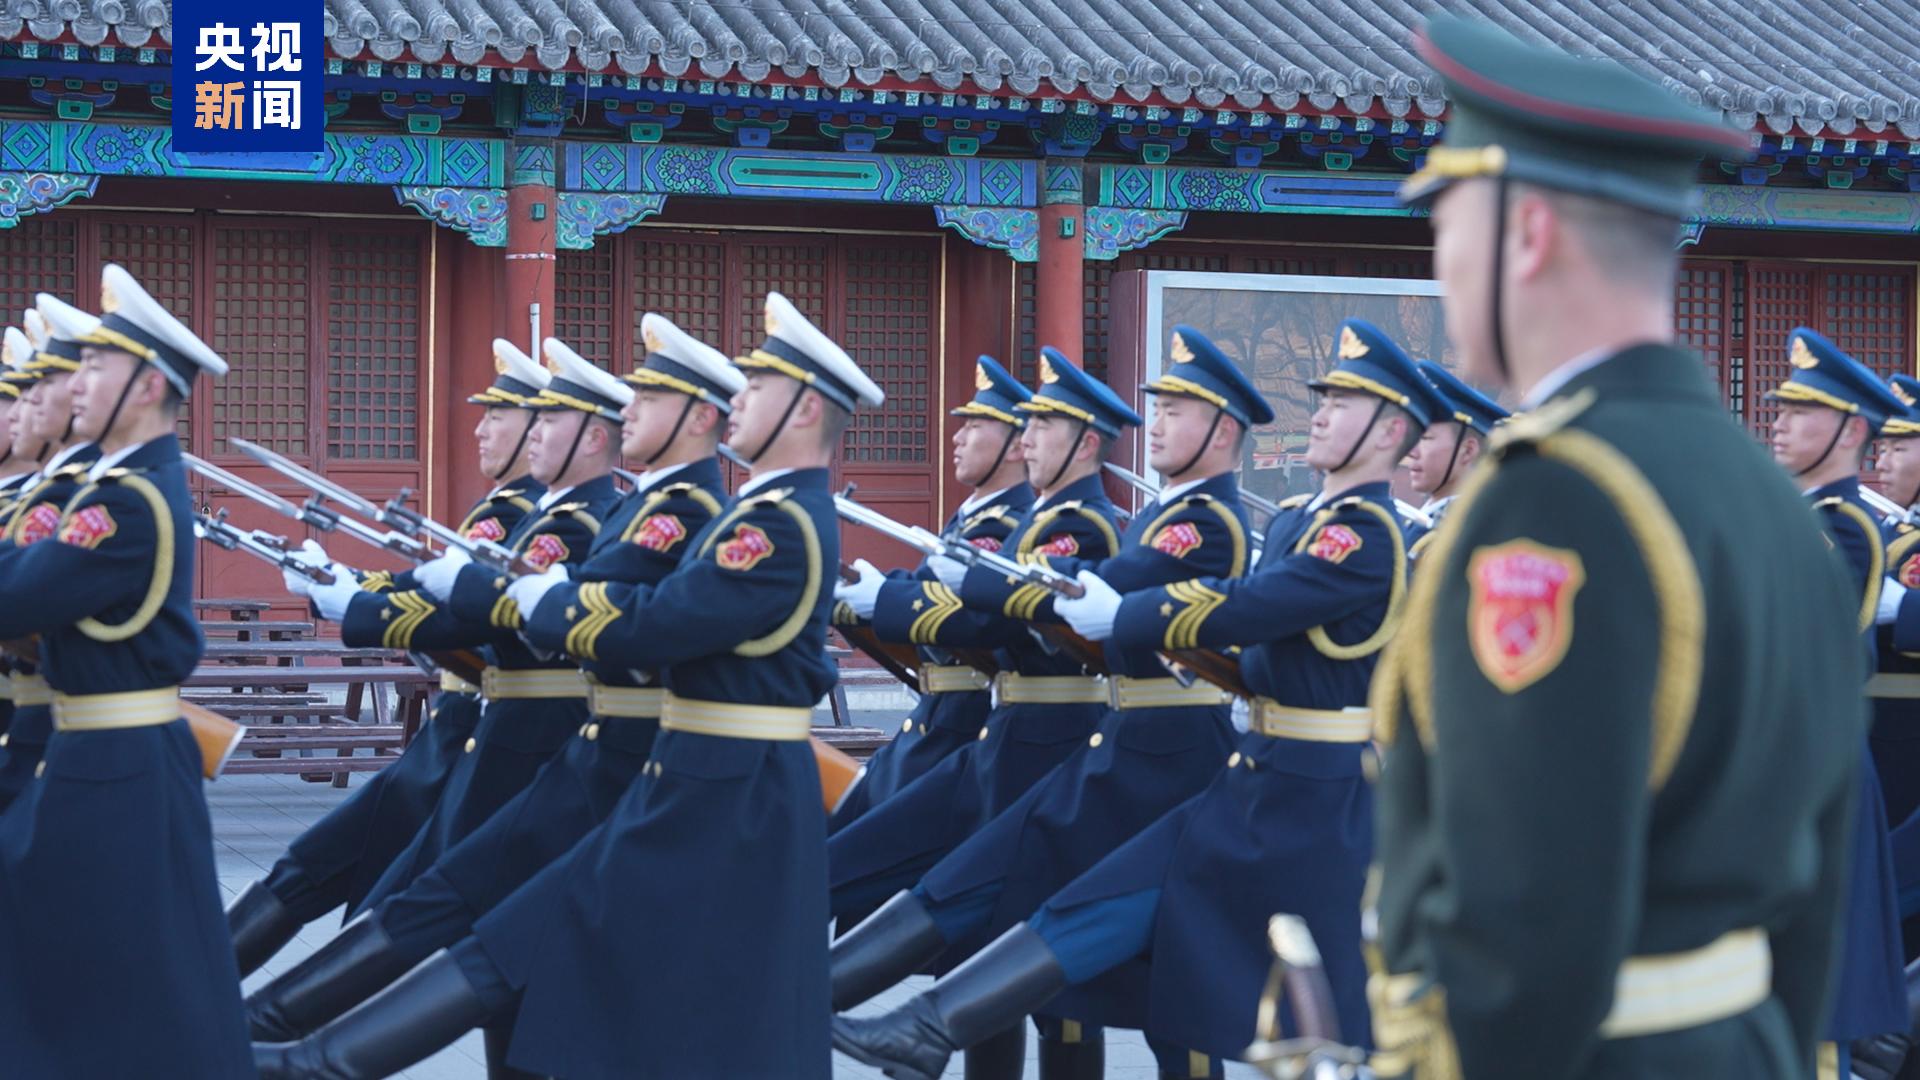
{"x":583,"y":293}
{"x":686,"y":281}
{"x":889,"y":332}
{"x":1779,"y":298}
{"x":1390,"y":264}
{"x":374,"y":301}
{"x":797,"y":270}
{"x":41,"y":254}
{"x":1095,"y":283}
{"x":161,"y":258}
{"x":1026,"y":309}
{"x":1700,"y":318}
{"x":262,"y":325}
{"x":1869,"y":313}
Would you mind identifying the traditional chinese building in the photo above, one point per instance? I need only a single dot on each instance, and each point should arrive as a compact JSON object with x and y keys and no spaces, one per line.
{"x":929,"y":185}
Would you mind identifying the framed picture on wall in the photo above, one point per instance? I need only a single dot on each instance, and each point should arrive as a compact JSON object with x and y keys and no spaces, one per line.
{"x":1283,"y":330}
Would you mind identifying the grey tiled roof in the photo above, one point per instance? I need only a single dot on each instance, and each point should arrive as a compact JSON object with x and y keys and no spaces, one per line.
{"x":1847,"y":66}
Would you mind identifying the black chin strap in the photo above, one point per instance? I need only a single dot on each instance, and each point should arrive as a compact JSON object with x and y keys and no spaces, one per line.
{"x":1073,"y":449}
{"x":1013,"y":432}
{"x":1453,"y":459}
{"x":578,"y":434}
{"x":1499,"y":289}
{"x":799,"y":389}
{"x":517,"y":447}
{"x":1201,"y":452}
{"x":118,"y":404}
{"x":1379,"y":406}
{"x":1831,"y":443}
{"x":685,"y":412}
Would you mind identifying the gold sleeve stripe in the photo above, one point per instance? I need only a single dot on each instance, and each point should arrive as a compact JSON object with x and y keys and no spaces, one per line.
{"x":377,"y":581}
{"x":506,"y":613}
{"x":1183,"y":631}
{"x":926,"y":627}
{"x":584,"y":639}
{"x":415,"y":609}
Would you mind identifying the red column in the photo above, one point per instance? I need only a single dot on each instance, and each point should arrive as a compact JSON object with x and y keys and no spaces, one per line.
{"x":531,"y":218}
{"x":1059,"y":299}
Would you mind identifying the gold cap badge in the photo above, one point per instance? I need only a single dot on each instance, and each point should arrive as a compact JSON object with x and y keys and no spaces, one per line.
{"x":1047,"y":374}
{"x":980,"y":380}
{"x":109,"y":299}
{"x":1181,"y":354}
{"x":1905,"y":398}
{"x":1351,"y":347}
{"x":1801,"y":356}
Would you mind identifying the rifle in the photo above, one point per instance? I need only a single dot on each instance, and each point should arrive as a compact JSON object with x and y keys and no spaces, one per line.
{"x":1264,"y":505}
{"x":217,"y":530}
{"x":1086,"y":653}
{"x":900,"y":661}
{"x":1886,"y":507}
{"x":313,"y":512}
{"x":414,"y":528}
{"x":1316,"y":1053}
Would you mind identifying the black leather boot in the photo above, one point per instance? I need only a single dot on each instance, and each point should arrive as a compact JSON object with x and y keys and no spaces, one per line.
{"x":887,"y":946}
{"x":1082,"y":1060}
{"x":1879,"y":1057}
{"x":401,"y":1026}
{"x":339,"y":975}
{"x":998,"y":986}
{"x":261,"y":926}
{"x":495,"y":1040}
{"x":999,"y":1057}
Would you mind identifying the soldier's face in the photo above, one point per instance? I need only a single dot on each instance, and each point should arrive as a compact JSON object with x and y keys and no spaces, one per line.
{"x":552,"y":441}
{"x":976,"y":446}
{"x":1427,"y":461}
{"x":1802,"y":433}
{"x":52,"y":406}
{"x":1338,"y":423}
{"x":1463,"y":227}
{"x":648,"y":422}
{"x":1179,"y":431}
{"x":758,"y":409}
{"x":1899,"y":463}
{"x":96,"y":388}
{"x":498,"y":435}
{"x":1047,"y":442}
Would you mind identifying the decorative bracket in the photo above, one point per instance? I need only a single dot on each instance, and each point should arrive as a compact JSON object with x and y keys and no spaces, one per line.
{"x":1690,"y":234}
{"x":1111,"y":230}
{"x":481,"y":213}
{"x":1013,"y":230}
{"x":585,"y":215}
{"x":24,"y":193}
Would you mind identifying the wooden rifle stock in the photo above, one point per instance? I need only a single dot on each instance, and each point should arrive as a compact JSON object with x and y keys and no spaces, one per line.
{"x":1218,"y":668}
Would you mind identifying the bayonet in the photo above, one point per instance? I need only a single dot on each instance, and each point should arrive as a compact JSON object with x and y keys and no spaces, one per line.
{"x":313,"y":512}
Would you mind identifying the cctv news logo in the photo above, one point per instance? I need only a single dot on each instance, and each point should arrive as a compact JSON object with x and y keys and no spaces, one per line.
{"x":246,"y":76}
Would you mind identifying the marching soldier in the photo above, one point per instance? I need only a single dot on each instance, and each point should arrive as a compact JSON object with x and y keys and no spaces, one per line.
{"x":533,"y":701}
{"x":1831,"y":407}
{"x":1047,"y":701}
{"x":110,"y":925}
{"x":1618,"y":774}
{"x":673,"y":425}
{"x":47,"y":416}
{"x":1161,"y":743}
{"x":1895,"y":740}
{"x":1449,"y":447}
{"x":701,"y":901}
{"x":1286,"y":825}
{"x":12,"y":378}
{"x":954,"y":699}
{"x":338,"y":859}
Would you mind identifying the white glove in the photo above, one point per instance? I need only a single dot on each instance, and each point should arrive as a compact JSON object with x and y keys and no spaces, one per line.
{"x":1091,"y":616}
{"x":436,"y":576}
{"x":309,"y":554}
{"x":1891,"y":593}
{"x":331,"y":600}
{"x":528,"y":591}
{"x":948,"y":569}
{"x":860,"y":595}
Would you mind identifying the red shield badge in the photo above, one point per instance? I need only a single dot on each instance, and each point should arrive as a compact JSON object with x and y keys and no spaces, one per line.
{"x":748,"y":546}
{"x":88,"y":528}
{"x":545,"y":550}
{"x":660,"y":532}
{"x":37,"y":524}
{"x":1520,"y":610}
{"x":1910,"y":572}
{"x":1334,"y":543}
{"x":1177,"y":540}
{"x":1061,"y":544}
{"x":992,"y":543}
{"x":489,"y":529}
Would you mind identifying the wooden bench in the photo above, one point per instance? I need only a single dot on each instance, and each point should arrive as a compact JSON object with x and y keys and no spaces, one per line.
{"x":857,"y":742}
{"x":237,"y":610}
{"x":411,"y":686}
{"x":257,"y":629}
{"x":296,"y":653}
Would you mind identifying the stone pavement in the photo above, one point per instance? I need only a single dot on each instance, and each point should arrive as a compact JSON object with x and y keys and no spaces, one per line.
{"x":254,"y":817}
